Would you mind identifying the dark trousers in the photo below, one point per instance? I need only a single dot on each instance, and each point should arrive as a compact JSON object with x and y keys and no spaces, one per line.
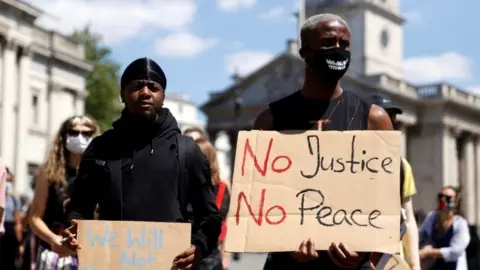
{"x":8,"y":247}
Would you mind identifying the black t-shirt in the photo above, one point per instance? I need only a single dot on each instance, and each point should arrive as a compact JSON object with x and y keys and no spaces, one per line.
{"x":54,"y":215}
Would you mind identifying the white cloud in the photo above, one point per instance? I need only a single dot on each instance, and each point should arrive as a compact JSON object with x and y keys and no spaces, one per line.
{"x":117,"y":20}
{"x":273,"y":13}
{"x":183,"y":44}
{"x":413,"y":16}
{"x":447,"y":66}
{"x":230,"y":5}
{"x":245,"y":62}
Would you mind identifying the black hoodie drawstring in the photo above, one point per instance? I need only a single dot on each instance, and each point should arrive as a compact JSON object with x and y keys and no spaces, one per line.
{"x":134,"y":152}
{"x":133,"y":159}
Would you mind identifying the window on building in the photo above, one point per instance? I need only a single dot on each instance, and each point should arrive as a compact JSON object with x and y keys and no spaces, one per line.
{"x":35,"y":109}
{"x":32,"y":171}
{"x":384,"y":38}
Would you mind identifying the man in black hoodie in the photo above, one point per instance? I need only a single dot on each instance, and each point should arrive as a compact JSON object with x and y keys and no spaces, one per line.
{"x":145,"y":170}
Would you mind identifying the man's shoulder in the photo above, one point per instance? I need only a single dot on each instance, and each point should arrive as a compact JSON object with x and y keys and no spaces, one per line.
{"x":284,"y":100}
{"x":102,"y":144}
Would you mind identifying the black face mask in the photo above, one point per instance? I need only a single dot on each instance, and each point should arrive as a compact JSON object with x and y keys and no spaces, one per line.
{"x":330,"y":64}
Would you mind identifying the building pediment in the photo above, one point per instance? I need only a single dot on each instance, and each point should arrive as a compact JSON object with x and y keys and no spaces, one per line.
{"x":278,"y":78}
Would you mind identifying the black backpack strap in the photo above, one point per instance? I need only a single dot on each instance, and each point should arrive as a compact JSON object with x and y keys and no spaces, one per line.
{"x":184,"y":146}
{"x":115,"y":168}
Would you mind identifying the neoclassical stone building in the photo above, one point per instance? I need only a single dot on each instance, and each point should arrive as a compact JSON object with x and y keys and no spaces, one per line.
{"x":440,"y":125}
{"x":42,"y":82}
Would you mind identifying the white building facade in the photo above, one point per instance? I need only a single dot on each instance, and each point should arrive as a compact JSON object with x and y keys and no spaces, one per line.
{"x":186,"y":112}
{"x":187,"y":115}
{"x":42,"y":82}
{"x":440,"y":124}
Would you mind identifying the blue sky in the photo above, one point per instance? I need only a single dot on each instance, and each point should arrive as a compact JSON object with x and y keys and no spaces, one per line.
{"x":200,"y":43}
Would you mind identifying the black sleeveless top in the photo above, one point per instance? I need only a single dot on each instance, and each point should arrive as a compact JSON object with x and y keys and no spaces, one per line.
{"x":295,"y":112}
{"x":54,"y":215}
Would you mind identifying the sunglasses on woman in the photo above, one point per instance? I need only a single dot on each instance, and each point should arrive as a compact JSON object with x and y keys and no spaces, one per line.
{"x":444,"y":197}
{"x":75,"y":133}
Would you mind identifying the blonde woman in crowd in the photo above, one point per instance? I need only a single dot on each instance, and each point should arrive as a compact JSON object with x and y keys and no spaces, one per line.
{"x":47,"y":212}
{"x":219,"y":259}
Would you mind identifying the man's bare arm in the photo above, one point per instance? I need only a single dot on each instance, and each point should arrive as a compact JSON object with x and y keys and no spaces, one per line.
{"x":264,"y":121}
{"x":378,"y":119}
{"x":412,"y":235}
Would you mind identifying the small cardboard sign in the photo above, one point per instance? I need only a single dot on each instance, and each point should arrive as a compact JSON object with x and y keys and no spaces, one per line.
{"x":130,"y":245}
{"x":341,"y":187}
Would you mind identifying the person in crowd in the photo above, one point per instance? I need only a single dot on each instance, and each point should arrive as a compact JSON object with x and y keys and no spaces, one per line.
{"x":3,"y":195}
{"x":473,"y":249}
{"x":322,"y":104}
{"x":196,"y":133}
{"x":219,"y":258}
{"x":10,"y":242}
{"x":27,"y":239}
{"x":444,"y":234}
{"x":145,"y":161}
{"x":52,"y":190}
{"x":409,"y":248}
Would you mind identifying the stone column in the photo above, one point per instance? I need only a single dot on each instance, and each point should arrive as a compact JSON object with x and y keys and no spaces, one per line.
{"x":24,"y":96}
{"x":477,"y":179}
{"x":450,"y":157}
{"x":51,"y":124}
{"x":80,"y":102}
{"x":224,"y":149}
{"x":468,"y":189}
{"x":9,"y":103}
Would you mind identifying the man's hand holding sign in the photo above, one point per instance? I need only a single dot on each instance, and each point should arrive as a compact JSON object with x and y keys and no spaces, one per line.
{"x":316,"y":189}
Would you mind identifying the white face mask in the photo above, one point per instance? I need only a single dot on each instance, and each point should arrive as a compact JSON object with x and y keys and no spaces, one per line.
{"x":77,"y":144}
{"x":9,"y":187}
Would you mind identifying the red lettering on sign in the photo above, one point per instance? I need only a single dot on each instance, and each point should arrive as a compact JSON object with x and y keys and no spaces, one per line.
{"x":259,"y":217}
{"x":284,"y":169}
{"x":263,"y":170}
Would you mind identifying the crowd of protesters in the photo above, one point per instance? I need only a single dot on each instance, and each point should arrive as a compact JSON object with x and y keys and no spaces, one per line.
{"x":145,"y":169}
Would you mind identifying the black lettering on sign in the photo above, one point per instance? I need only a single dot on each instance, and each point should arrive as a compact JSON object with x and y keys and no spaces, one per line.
{"x":328,"y":217}
{"x":354,"y":162}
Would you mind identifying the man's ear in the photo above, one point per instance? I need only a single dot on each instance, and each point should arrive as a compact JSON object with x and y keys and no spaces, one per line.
{"x":301,"y":52}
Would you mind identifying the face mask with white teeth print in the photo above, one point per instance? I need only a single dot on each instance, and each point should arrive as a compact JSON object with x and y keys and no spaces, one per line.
{"x":336,"y":65}
{"x":331,"y":64}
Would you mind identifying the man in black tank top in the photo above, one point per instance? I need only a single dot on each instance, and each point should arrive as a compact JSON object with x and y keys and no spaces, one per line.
{"x":323,"y":105}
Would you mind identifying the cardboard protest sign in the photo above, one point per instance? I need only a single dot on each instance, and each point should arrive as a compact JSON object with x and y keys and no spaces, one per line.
{"x":328,"y":186}
{"x":130,"y":245}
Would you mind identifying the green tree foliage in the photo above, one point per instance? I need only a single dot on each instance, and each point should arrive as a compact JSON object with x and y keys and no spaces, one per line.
{"x":102,"y":81}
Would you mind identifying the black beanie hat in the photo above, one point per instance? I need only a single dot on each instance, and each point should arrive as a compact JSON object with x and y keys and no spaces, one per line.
{"x":143,"y":69}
